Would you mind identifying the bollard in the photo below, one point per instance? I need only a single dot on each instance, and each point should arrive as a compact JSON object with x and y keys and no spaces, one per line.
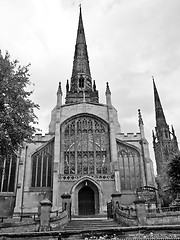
{"x":141,"y":211}
{"x":45,"y":211}
{"x":66,"y":203}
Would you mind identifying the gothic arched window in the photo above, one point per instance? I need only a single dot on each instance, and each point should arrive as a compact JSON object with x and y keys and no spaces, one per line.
{"x":130,"y":167}
{"x":85,"y":146}
{"x":42,"y":166}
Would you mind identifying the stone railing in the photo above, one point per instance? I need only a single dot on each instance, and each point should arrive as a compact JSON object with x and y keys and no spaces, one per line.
{"x":52,"y":219}
{"x":128,"y":216}
{"x":59,"y":219}
{"x":125,"y":217}
{"x":45,"y":219}
{"x":163,"y":216}
{"x":163,"y":209}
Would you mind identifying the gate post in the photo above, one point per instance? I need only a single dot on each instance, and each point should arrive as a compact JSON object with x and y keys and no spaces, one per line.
{"x":116,"y":201}
{"x":45,"y":210}
{"x":141,"y":211}
{"x":66,"y":203}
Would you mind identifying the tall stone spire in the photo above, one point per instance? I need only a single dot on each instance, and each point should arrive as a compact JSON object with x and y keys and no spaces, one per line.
{"x":160,"y":118}
{"x":81,"y":80}
{"x":165,"y":147}
{"x":81,"y":62}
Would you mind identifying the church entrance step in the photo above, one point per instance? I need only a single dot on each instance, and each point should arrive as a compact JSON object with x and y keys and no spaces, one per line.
{"x":88,"y":217}
{"x":90,"y":224}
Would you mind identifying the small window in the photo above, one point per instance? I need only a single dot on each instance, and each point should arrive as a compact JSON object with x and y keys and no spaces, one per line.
{"x":81,"y":82}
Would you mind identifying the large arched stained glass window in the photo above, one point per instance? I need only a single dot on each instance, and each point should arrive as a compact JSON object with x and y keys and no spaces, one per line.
{"x":85,"y":146}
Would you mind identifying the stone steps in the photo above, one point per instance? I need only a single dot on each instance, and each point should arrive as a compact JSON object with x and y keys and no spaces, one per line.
{"x":90,"y":224}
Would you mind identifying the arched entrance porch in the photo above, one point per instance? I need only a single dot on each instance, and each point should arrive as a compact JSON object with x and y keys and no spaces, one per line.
{"x":86,"y":197}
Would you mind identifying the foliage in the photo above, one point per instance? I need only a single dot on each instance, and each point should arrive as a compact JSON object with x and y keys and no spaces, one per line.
{"x":174,"y":173}
{"x":16,"y":109}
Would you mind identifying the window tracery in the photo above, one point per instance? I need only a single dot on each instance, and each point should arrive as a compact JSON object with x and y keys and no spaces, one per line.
{"x":130,"y":167}
{"x":8,"y":174}
{"x":42,"y":166}
{"x":85,"y":146}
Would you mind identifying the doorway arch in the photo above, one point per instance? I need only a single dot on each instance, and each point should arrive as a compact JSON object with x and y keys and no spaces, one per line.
{"x":84,"y":186}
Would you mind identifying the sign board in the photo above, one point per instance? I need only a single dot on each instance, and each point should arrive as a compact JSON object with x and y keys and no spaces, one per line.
{"x":147,"y":193}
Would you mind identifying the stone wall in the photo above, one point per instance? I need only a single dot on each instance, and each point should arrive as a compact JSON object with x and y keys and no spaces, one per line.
{"x":7,"y":202}
{"x":30,"y":226}
{"x":163,"y":218}
{"x":125,"y":219}
{"x":142,"y":217}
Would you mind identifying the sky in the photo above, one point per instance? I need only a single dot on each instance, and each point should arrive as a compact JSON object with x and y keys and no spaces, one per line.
{"x":128,"y":42}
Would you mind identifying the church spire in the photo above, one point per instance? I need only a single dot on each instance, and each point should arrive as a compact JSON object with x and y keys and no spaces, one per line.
{"x":80,"y":33}
{"x":160,"y":118}
{"x":81,"y":81}
{"x":81,"y":63}
{"x":164,"y":146}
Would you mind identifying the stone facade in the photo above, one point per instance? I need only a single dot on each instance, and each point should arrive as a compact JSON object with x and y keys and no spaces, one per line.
{"x":85,"y":154}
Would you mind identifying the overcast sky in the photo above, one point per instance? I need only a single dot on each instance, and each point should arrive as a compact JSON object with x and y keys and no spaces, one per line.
{"x":128,"y":41}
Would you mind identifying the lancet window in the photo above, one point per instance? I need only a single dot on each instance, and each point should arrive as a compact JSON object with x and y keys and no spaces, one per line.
{"x":130,"y":167}
{"x":85,"y":147}
{"x":81,"y":82}
{"x":42,"y":166}
{"x":8,"y":174}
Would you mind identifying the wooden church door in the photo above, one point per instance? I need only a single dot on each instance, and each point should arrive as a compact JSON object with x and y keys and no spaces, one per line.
{"x":86,"y":201}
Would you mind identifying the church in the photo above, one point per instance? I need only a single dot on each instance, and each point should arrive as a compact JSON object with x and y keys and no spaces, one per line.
{"x":84,"y":154}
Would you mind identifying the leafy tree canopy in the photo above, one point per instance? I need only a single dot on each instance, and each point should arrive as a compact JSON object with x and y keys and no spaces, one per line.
{"x":174,"y":172}
{"x":17,"y":117}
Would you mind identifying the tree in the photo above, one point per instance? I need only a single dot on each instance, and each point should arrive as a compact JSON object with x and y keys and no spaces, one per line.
{"x":17,"y":117}
{"x":173,"y":172}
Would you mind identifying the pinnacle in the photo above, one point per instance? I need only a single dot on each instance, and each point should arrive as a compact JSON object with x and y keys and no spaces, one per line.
{"x":107,"y":88}
{"x":140,"y":117}
{"x":59,"y":88}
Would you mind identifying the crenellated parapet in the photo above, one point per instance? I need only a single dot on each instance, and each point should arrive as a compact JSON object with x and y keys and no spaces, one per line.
{"x":129,"y":136}
{"x":38,"y":137}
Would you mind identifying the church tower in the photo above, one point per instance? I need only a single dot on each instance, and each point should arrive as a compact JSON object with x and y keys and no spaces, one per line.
{"x":164,"y":143}
{"x":81,"y":87}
